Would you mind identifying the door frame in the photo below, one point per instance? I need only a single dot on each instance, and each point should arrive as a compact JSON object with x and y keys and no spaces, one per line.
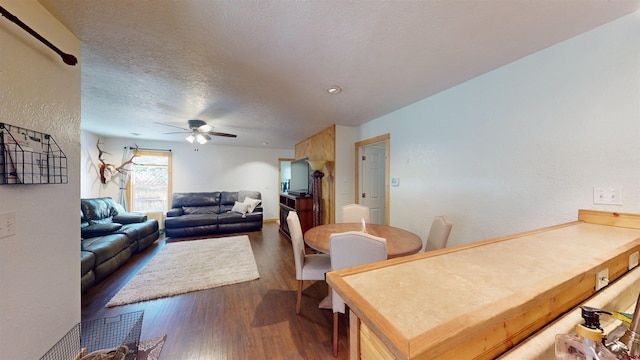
{"x":386,"y":138}
{"x":280,"y":161}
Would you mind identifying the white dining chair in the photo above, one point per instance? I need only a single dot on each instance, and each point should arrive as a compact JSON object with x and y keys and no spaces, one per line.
{"x":308,"y":266}
{"x":438,"y":233}
{"x":351,"y":249}
{"x":354,"y":213}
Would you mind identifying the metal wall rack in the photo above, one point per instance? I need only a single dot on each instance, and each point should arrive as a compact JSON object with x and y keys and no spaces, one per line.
{"x":30,"y":157}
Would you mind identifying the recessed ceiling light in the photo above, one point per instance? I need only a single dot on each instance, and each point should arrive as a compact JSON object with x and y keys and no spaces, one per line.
{"x":135,"y":134}
{"x":265,"y":143}
{"x":334,"y":89}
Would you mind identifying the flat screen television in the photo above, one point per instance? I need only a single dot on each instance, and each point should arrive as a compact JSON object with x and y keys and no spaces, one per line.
{"x":301,"y":183}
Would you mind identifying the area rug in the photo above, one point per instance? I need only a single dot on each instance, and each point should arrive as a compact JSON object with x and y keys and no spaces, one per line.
{"x":187,"y":266}
{"x":150,"y":349}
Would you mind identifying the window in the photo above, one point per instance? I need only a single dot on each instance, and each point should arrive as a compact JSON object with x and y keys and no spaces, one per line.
{"x":149,"y":187}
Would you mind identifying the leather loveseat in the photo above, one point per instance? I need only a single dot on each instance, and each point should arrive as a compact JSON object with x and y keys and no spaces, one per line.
{"x":209,"y":213}
{"x":110,"y":237}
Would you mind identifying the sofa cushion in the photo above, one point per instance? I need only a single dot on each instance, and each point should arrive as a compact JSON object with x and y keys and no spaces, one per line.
{"x":105,"y":247}
{"x":98,"y":209}
{"x":179,"y":200}
{"x":243,"y":194}
{"x":94,"y":230}
{"x":235,"y":217}
{"x":129,"y":218}
{"x":190,"y":220}
{"x":87,"y":262}
{"x":142,"y":229}
{"x":227,"y":200}
{"x":192,"y":210}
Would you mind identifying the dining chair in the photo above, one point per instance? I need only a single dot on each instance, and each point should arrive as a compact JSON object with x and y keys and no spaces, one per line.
{"x":308,"y":266}
{"x":353,"y":213}
{"x":349,"y":249}
{"x":438,"y":234}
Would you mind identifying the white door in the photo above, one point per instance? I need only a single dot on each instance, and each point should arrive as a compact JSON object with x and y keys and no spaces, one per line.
{"x":372,"y":179}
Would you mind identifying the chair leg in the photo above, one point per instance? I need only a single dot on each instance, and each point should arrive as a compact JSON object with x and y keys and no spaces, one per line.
{"x":335,"y":334}
{"x":299,"y":300}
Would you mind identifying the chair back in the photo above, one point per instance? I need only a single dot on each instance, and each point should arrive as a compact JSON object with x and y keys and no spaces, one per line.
{"x":354,"y":248}
{"x":297,"y":242}
{"x":438,"y":234}
{"x":353,"y":213}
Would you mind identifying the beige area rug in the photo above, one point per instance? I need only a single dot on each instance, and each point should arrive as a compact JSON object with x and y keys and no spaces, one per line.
{"x":186,"y":266}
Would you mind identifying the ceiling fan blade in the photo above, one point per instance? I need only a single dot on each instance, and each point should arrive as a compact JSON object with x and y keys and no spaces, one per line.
{"x":222,"y":134}
{"x":173,"y":126}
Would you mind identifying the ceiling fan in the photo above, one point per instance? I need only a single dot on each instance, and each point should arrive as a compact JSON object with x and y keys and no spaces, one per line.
{"x":198,"y":131}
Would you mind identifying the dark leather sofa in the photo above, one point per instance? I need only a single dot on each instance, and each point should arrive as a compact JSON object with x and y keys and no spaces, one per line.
{"x":210,"y":213}
{"x":109,"y":238}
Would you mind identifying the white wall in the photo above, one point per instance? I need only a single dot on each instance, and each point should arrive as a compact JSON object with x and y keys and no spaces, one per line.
{"x":90,"y":185}
{"x":523,"y":146}
{"x":211,"y":168}
{"x":40,"y":265}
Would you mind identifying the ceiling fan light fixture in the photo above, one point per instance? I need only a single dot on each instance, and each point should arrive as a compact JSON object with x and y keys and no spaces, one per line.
{"x":201,"y":139}
{"x":190,"y":138}
{"x":205,"y":128}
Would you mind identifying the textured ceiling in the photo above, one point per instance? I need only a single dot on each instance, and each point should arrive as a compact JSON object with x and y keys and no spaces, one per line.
{"x":259,"y":69}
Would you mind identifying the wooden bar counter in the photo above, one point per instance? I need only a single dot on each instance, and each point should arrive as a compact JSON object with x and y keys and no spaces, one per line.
{"x":476,"y":301}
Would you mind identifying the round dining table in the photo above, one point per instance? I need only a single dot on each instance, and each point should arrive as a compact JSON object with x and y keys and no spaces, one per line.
{"x":399,"y":242}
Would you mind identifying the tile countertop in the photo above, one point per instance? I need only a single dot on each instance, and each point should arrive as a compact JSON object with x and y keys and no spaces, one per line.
{"x":481,"y":299}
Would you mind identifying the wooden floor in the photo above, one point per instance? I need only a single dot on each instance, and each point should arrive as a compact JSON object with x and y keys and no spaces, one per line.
{"x":251,"y":320}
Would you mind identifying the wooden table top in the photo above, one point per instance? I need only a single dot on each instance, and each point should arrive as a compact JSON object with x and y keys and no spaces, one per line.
{"x":399,"y":242}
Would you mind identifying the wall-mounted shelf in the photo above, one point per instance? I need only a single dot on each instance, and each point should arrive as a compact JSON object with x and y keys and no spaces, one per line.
{"x":30,"y":157}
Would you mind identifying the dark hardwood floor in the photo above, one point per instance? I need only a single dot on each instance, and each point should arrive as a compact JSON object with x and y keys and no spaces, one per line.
{"x":251,"y":320}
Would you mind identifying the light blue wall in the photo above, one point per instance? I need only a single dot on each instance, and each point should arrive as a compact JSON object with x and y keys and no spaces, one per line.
{"x":523,"y":146}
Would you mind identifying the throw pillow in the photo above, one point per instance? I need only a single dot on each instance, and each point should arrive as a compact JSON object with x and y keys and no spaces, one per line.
{"x":240,"y":207}
{"x":251,"y":204}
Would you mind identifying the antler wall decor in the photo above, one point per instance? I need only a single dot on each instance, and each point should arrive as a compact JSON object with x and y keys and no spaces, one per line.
{"x":67,"y":58}
{"x":107,"y":171}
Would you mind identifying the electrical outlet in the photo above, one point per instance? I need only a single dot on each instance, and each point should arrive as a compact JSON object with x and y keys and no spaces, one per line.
{"x":607,"y":196}
{"x":602,"y":278}
{"x":633,"y":260}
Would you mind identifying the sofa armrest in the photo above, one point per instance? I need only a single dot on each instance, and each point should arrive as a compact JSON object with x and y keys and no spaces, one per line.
{"x":174,"y":212}
{"x":129,"y":218}
{"x":95,"y":230}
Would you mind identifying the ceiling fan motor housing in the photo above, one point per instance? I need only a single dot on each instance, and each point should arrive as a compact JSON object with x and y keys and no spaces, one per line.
{"x":194,"y":124}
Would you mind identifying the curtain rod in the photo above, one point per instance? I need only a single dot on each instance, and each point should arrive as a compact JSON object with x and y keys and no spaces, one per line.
{"x":139,"y":148}
{"x":67,"y":58}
